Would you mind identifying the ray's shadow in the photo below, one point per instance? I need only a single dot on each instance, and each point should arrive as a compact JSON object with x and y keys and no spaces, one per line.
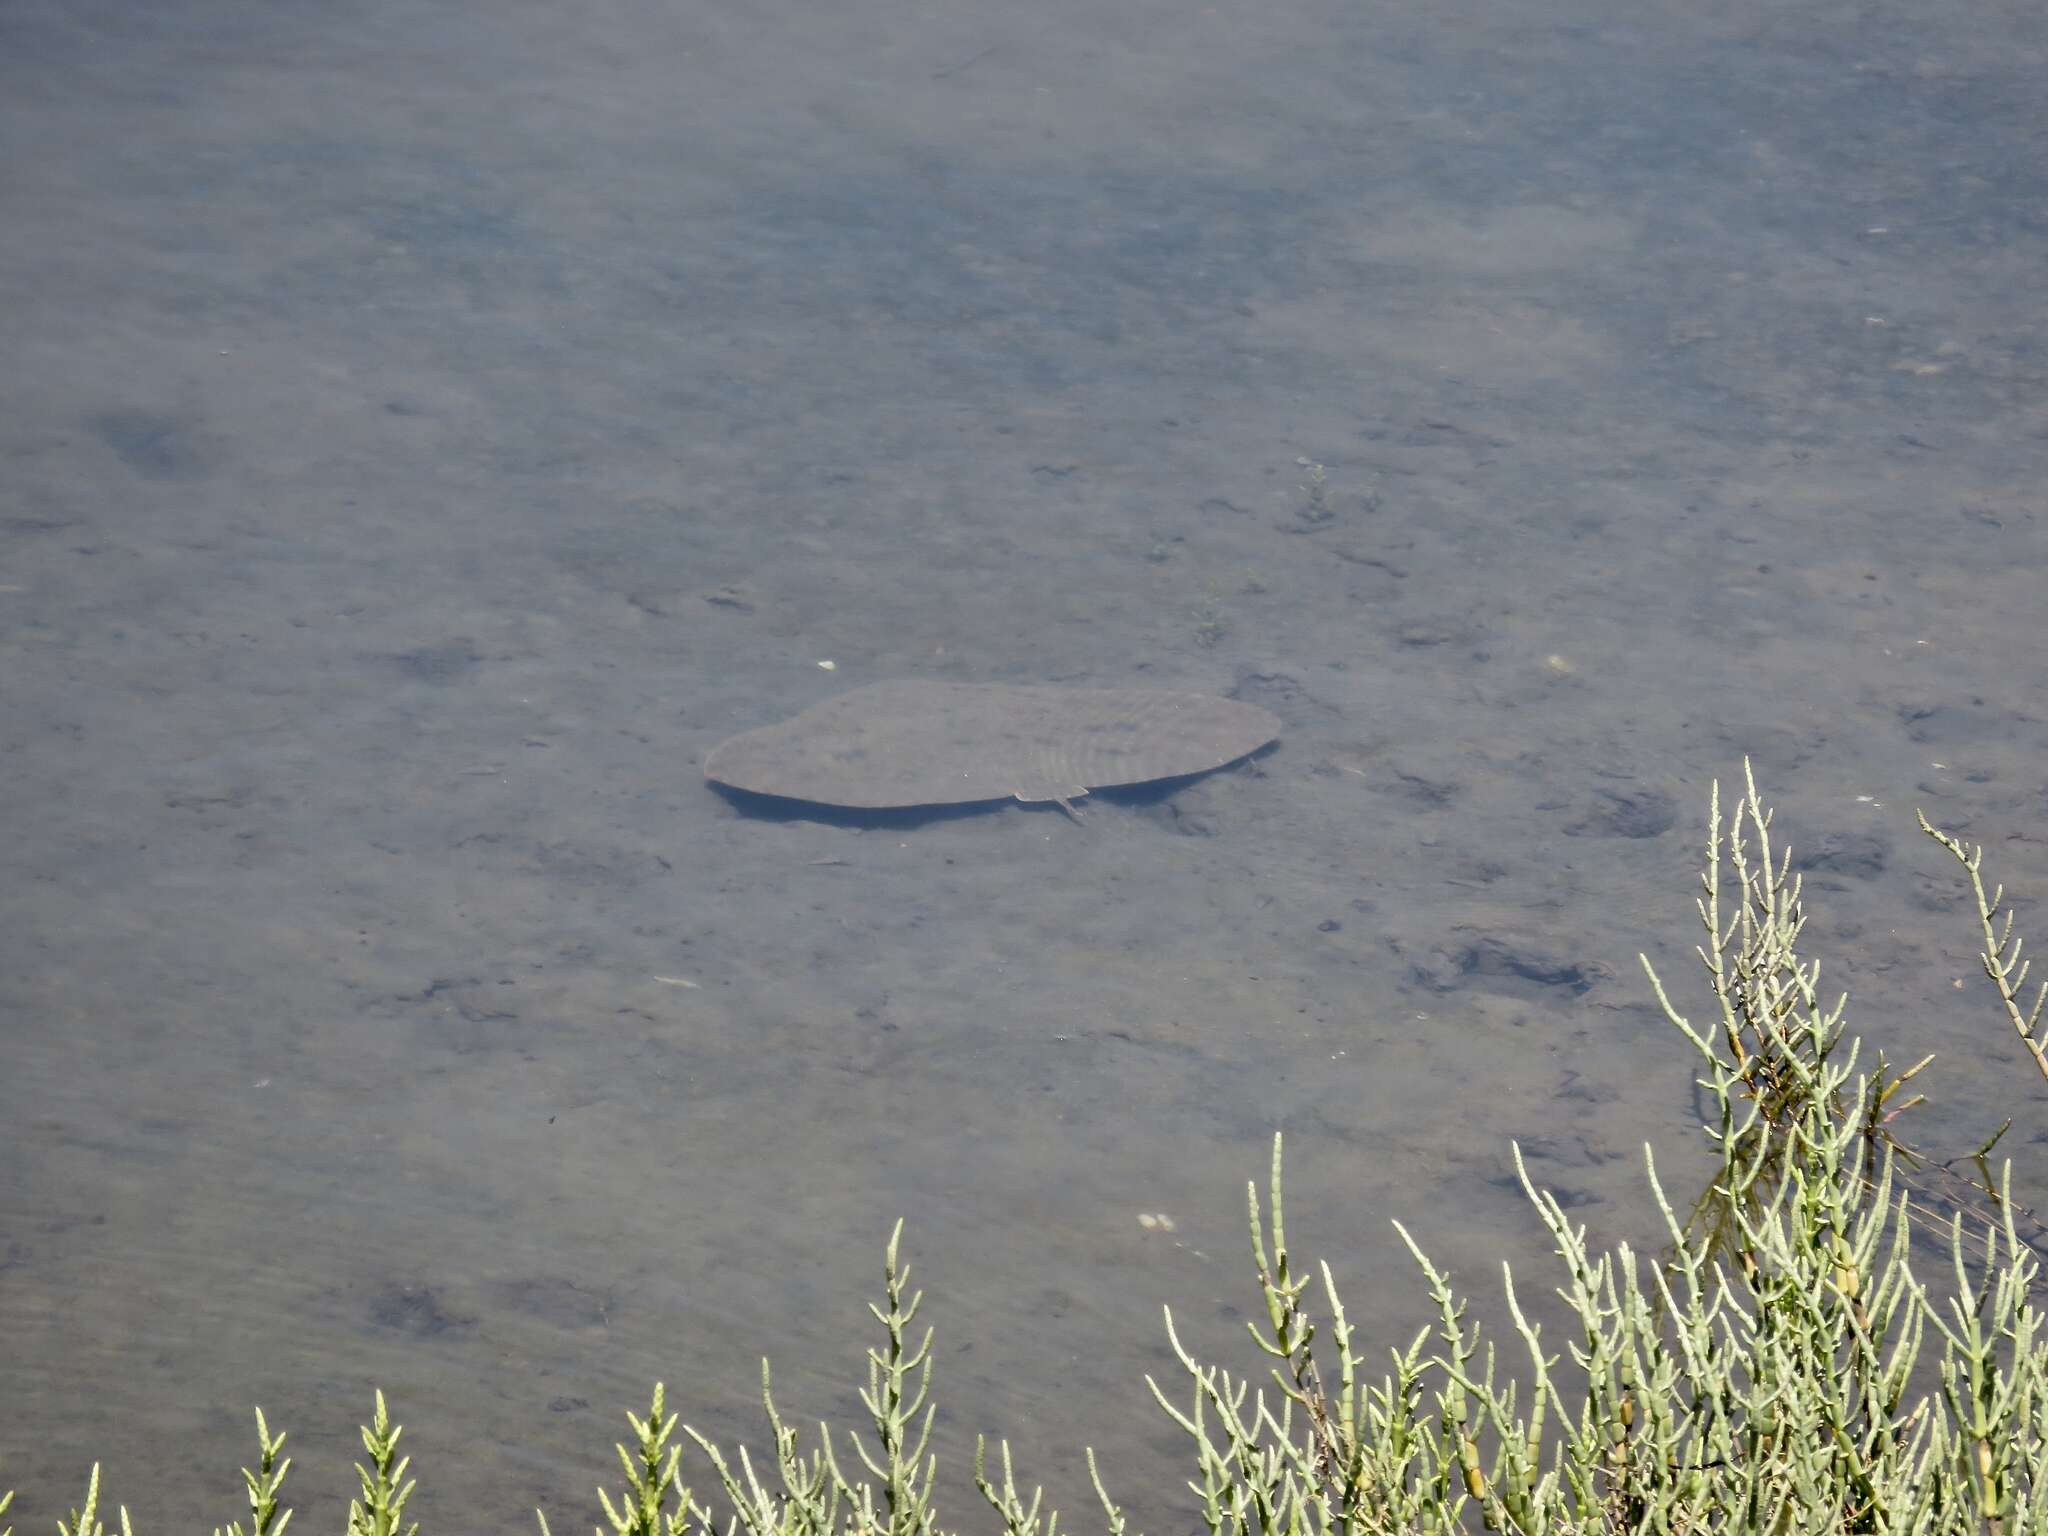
{"x":1153,"y":792}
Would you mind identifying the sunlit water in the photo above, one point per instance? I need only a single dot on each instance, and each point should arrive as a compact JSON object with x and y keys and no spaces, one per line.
{"x":427,"y":430}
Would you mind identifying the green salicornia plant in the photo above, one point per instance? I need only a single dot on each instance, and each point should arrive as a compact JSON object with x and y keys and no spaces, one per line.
{"x":655,"y":1501}
{"x":385,"y":1489}
{"x":265,"y":1483}
{"x":2000,"y":956}
{"x":86,"y":1521}
{"x":1786,"y":1389}
{"x":1780,"y":1368}
{"x":816,"y":1497}
{"x":1763,"y":1068}
{"x":1752,"y":963}
{"x":808,"y":1493}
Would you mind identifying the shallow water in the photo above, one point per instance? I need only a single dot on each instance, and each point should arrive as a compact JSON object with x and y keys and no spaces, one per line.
{"x":426,"y":433}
